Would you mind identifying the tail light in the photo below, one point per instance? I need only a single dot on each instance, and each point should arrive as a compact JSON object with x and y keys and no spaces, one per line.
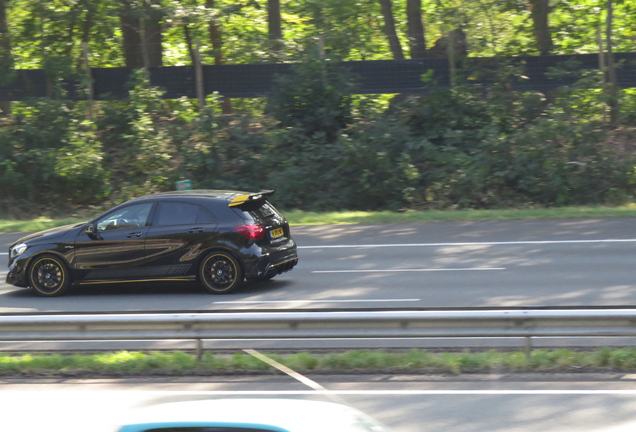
{"x":251,"y":232}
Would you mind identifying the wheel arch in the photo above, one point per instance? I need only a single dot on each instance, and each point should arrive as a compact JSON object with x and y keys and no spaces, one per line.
{"x":239,"y":273}
{"x":39,"y":286}
{"x":33,"y":258}
{"x":214,"y":249}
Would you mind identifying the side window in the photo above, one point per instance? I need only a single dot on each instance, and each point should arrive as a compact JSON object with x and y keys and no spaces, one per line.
{"x":132,"y":216}
{"x":205,"y":217}
{"x":176,"y":213}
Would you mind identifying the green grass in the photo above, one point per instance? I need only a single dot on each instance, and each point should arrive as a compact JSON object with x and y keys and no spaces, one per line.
{"x":39,"y":224}
{"x":297,"y":217}
{"x":368,"y":361}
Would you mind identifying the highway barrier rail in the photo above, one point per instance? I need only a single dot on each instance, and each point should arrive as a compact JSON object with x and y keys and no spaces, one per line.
{"x":321,"y":325}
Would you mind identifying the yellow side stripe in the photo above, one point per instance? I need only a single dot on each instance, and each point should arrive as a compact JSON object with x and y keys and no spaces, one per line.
{"x":136,"y":280}
{"x":285,"y":262}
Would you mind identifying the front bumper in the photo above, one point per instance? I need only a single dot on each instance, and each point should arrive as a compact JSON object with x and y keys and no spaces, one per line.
{"x":17,"y":273}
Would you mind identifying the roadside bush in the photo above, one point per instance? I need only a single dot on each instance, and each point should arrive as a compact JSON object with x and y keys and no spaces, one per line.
{"x":137,"y":139}
{"x":315,"y":99}
{"x":322,"y":149}
{"x":50,"y":154}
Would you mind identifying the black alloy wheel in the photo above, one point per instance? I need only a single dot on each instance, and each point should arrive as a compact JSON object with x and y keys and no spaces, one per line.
{"x":220,"y":273}
{"x":49,"y":276}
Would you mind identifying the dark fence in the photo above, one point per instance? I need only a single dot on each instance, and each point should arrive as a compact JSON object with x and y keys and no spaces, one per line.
{"x":374,"y":77}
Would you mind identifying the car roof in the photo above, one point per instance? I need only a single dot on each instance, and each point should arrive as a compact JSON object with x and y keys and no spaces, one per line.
{"x":195,"y":193}
{"x":280,"y":415}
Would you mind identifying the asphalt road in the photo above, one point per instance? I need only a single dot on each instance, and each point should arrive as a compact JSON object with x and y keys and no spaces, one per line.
{"x":405,"y":403}
{"x":587,"y":262}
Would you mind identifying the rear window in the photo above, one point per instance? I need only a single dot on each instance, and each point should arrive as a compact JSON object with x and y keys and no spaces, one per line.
{"x":259,"y":210}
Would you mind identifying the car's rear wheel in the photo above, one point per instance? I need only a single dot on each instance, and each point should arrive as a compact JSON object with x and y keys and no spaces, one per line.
{"x":49,"y":276}
{"x":220,"y":273}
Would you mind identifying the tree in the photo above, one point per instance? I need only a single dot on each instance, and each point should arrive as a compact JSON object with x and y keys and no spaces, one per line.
{"x":611,"y":68}
{"x":417,"y":40}
{"x":131,"y":33}
{"x":152,"y":32}
{"x":539,"y":10}
{"x":216,"y":39}
{"x":274,"y":26}
{"x":6,"y":58}
{"x":389,"y":30}
{"x":142,"y":34}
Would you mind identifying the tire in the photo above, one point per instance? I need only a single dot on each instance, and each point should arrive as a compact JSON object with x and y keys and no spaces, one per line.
{"x":220,"y":273}
{"x":49,"y":276}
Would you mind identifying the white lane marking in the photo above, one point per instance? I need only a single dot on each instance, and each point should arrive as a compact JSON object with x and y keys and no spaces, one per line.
{"x":411,"y":270}
{"x":317,"y":301}
{"x":292,"y":373}
{"x":4,"y":253}
{"x":7,"y":388}
{"x":540,"y":242}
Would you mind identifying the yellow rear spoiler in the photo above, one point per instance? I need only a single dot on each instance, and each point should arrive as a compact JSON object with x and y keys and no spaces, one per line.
{"x":242,"y":199}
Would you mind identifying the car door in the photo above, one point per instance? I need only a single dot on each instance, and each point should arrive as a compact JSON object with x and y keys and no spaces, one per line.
{"x":116,"y":248}
{"x":176,"y":238}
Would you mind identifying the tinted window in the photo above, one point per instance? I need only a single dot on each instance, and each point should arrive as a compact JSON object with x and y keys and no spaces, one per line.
{"x":175,"y":213}
{"x":132,"y":216}
{"x":260,"y":210}
{"x":205,"y":217}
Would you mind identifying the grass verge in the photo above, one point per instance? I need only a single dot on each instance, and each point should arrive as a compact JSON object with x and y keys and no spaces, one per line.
{"x":39,"y":224}
{"x":298,"y":217}
{"x":360,"y":361}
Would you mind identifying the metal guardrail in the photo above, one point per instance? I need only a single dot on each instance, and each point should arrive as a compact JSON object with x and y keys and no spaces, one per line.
{"x":319,"y":325}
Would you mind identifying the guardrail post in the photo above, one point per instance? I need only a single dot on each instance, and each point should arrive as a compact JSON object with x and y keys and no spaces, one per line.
{"x":199,"y":350}
{"x":528,"y":347}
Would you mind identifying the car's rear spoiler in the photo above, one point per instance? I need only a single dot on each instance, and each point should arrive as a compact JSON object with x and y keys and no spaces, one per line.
{"x":242,"y":199}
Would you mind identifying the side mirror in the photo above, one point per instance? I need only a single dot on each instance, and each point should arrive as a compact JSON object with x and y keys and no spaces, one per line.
{"x":90,"y":229}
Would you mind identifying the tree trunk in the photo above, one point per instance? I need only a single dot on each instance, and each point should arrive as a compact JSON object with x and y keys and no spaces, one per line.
{"x":417,"y":40}
{"x":88,"y":21}
{"x":274,"y":27}
{"x":131,"y":32}
{"x":217,"y":47}
{"x":611,"y":68}
{"x":389,"y":30}
{"x":539,"y":10}
{"x":153,"y":36}
{"x":6,"y":60}
{"x":188,"y":38}
{"x":71,"y":29}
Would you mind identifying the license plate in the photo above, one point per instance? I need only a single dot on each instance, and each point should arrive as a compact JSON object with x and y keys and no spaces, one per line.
{"x":275,"y":233}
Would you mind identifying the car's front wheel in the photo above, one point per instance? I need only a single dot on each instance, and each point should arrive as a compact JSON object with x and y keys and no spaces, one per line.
{"x":49,"y":276}
{"x":220,"y":273}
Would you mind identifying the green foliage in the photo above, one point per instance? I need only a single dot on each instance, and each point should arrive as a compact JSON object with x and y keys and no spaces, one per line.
{"x":322,"y":148}
{"x":462,"y":148}
{"x":50,"y":154}
{"x":315,"y":99}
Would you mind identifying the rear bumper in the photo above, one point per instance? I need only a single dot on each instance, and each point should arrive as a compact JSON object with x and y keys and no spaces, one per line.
{"x":272,"y":263}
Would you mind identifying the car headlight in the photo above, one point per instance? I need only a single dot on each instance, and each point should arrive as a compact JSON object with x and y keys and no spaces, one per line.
{"x":18,"y":250}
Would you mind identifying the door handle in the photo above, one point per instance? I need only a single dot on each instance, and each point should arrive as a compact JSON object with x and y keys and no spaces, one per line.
{"x":195,"y":230}
{"x":135,"y":234}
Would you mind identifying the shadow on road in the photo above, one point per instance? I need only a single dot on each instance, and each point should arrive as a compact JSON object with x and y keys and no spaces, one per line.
{"x":154,"y":289}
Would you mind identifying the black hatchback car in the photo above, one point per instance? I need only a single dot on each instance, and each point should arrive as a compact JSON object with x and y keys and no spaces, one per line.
{"x":218,"y":238}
